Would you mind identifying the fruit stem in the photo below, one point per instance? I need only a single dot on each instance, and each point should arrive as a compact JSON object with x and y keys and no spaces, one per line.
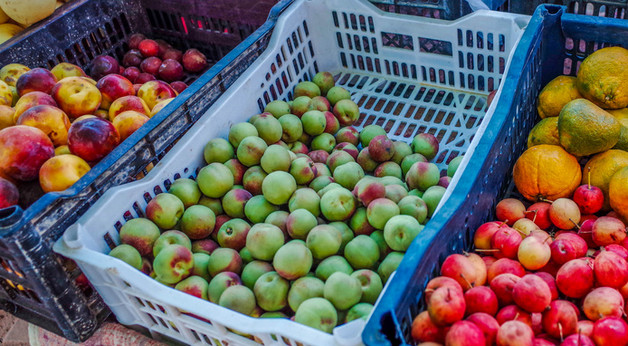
{"x":589,"y":178}
{"x":575,"y":224}
{"x":548,"y":238}
{"x":467,"y":281}
{"x":545,"y":200}
{"x":487,"y":250}
{"x":560,"y":330}
{"x":535,"y":212}
{"x":521,"y":232}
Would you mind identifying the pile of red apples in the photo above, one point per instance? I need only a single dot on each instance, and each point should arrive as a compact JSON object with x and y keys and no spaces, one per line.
{"x":554,"y":273}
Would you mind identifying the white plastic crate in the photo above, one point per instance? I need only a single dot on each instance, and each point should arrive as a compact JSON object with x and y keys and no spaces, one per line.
{"x":408,"y":74}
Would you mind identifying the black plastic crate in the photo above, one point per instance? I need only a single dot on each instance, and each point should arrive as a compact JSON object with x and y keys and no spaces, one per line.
{"x":555,"y":43}
{"x":439,"y":9}
{"x":601,"y":8}
{"x":454,"y":9}
{"x":36,"y":284}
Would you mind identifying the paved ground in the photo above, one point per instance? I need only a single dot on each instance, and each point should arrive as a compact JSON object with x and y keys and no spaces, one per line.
{"x":16,"y":332}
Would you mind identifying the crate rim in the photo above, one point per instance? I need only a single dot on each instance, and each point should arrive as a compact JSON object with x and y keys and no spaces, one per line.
{"x":389,"y":305}
{"x":16,"y":217}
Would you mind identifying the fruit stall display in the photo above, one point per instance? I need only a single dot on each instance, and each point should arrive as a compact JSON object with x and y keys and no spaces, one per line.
{"x":285,"y":168}
{"x":55,"y":101}
{"x":546,"y":259}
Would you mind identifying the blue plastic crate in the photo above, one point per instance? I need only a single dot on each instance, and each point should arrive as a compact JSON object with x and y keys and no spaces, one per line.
{"x":555,"y":42}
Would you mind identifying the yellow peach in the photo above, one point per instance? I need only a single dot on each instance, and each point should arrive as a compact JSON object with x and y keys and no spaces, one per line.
{"x":6,"y":95}
{"x":76,"y":96}
{"x":128,"y":103}
{"x":16,"y":97}
{"x":32,"y":99}
{"x":6,"y":116}
{"x":160,"y":106}
{"x":51,"y":120}
{"x":62,"y":150}
{"x":155,"y":91}
{"x":11,"y":72}
{"x":83,"y":117}
{"x":60,"y":172}
{"x":128,"y":122}
{"x":101,"y":113}
{"x":65,"y":69}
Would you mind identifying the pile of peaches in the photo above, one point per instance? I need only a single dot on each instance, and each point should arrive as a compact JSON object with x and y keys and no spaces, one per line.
{"x":56,"y":124}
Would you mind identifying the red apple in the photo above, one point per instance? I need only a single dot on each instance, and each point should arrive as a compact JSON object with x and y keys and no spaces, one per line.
{"x":575,"y":278}
{"x":532,"y":293}
{"x":194,"y":61}
{"x":484,"y":234}
{"x":446,"y":306}
{"x":603,"y":302}
{"x":135,"y":39}
{"x":463,"y":333}
{"x":178,"y":86}
{"x":170,"y":70}
{"x":585,"y":327}
{"x":459,"y":268}
{"x":503,"y":285}
{"x":424,"y":330}
{"x":173,"y":54}
{"x":608,"y":230}
{"x":481,"y":299}
{"x":104,"y":65}
{"x":438,"y":282}
{"x":610,"y":269}
{"x":507,"y":241}
{"x":131,"y":73}
{"x":618,"y":249}
{"x":510,"y":210}
{"x":151,"y":65}
{"x":539,"y":213}
{"x":563,"y":251}
{"x":515,"y":333}
{"x":504,"y":266}
{"x":132,"y":58}
{"x":586,"y":232}
{"x":513,"y":313}
{"x":487,"y":324}
{"x":610,"y":331}
{"x":564,"y":213}
{"x":148,"y":48}
{"x":577,"y":241}
{"x":577,"y":340}
{"x":551,"y":283}
{"x":560,"y":319}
